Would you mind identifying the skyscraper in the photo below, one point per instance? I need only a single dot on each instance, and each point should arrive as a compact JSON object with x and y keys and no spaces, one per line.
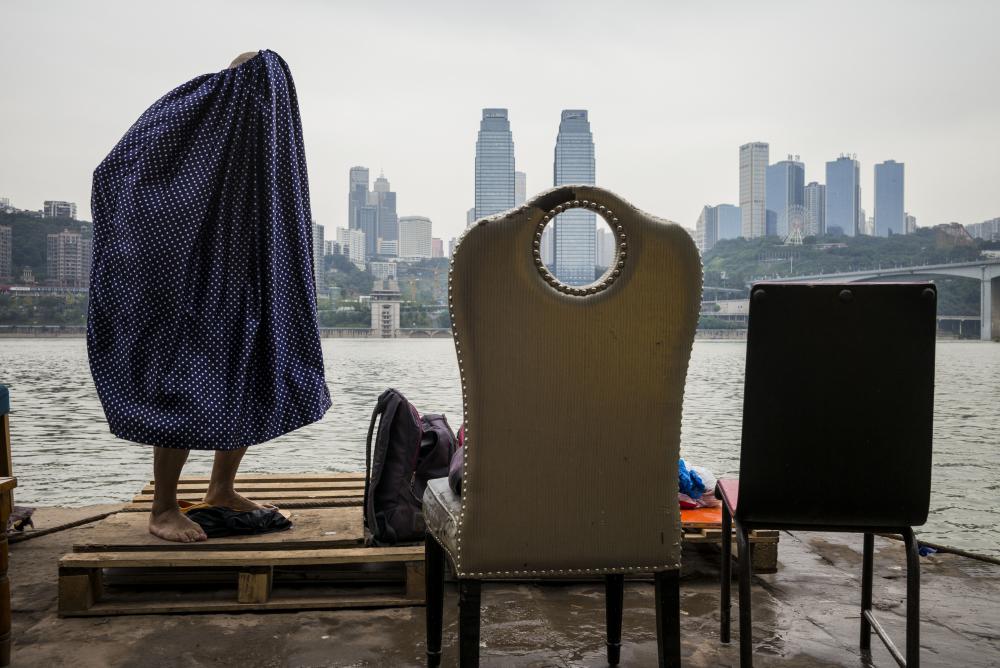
{"x":717,"y":223}
{"x":843,"y":196}
{"x":520,"y":188}
{"x":318,"y":253}
{"x":890,"y":214}
{"x":437,"y":247}
{"x":753,"y":194}
{"x":911,"y":224}
{"x":384,"y":201}
{"x":470,"y":217}
{"x":785,"y":185}
{"x":6,"y":250}
{"x":415,"y":240}
{"x":357,"y":196}
{"x":815,"y":204}
{"x":575,"y":230}
{"x":494,"y":164}
{"x":64,"y":258}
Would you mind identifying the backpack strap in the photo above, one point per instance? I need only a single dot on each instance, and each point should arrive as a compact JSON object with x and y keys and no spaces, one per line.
{"x":381,"y":408}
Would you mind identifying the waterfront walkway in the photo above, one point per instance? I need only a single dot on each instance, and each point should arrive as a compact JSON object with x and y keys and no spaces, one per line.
{"x":806,"y":615}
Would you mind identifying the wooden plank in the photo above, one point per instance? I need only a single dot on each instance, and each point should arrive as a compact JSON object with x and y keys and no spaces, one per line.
{"x":416,"y":586}
{"x":205,"y":558}
{"x":334,"y":502}
{"x":161,"y":607}
{"x":304,"y":485}
{"x":254,"y":584}
{"x":79,"y":589}
{"x":265,"y":496}
{"x":278,"y":477}
{"x":312,"y":528}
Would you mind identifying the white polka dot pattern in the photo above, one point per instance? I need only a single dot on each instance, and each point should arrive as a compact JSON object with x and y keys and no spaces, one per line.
{"x":202,"y":328}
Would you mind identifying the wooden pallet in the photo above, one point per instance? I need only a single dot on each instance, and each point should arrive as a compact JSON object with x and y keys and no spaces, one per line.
{"x":285,"y":490}
{"x":118,"y":568}
{"x":704,"y":526}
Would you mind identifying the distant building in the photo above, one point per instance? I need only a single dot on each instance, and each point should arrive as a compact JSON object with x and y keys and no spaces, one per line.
{"x":363,"y":207}
{"x":382,"y":270}
{"x":6,"y":251}
{"x":5,"y":205}
{"x":451,"y":246}
{"x":911,"y":224}
{"x":753,"y":193}
{"x":988,"y":230}
{"x":437,"y":247}
{"x":357,"y":196}
{"x":785,"y":189}
{"x":64,"y":259}
{"x":549,"y":245}
{"x":415,"y":237}
{"x":717,"y":223}
{"x":470,"y":217}
{"x":384,"y":200}
{"x":317,"y":241}
{"x":385,"y":300}
{"x":890,"y":212}
{"x":58,"y":209}
{"x":814,"y":198}
{"x":520,"y":188}
{"x":352,"y":244}
{"x":575,"y":230}
{"x":86,"y":252}
{"x":843,"y":196}
{"x":494,"y":164}
{"x":605,"y":251}
{"x":388,"y":248}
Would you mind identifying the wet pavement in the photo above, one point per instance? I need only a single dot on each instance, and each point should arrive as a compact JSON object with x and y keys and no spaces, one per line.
{"x":804,"y":615}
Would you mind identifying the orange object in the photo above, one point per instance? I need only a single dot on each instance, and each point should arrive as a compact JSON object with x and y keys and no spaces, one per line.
{"x":701,"y":518}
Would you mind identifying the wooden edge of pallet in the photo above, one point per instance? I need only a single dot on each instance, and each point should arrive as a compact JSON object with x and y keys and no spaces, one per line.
{"x":328,"y":502}
{"x":303,"y":486}
{"x":278,"y":477}
{"x":116,"y":608}
{"x":237,"y":558}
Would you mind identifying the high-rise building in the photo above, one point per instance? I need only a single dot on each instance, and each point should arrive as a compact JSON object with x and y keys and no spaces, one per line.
{"x":415,"y":237}
{"x":318,"y":253}
{"x":814,"y":196}
{"x":605,"y":251}
{"x":470,"y":217}
{"x":437,"y":247}
{"x":575,"y":230}
{"x":549,"y":246}
{"x":353,"y":244}
{"x":58,"y":209}
{"x":520,"y":188}
{"x":988,"y":230}
{"x":357,"y":196}
{"x":890,"y":213}
{"x":86,"y":252}
{"x":384,"y":201}
{"x":717,"y":223}
{"x":64,"y":258}
{"x":785,"y":190}
{"x":753,"y":192}
{"x":843,"y":196}
{"x":911,"y":224}
{"x":6,"y":252}
{"x":494,"y":164}
{"x":382,"y":271}
{"x":451,"y":246}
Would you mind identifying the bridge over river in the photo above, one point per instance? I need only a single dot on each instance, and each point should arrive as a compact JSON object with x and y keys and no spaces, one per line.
{"x":986,"y":271}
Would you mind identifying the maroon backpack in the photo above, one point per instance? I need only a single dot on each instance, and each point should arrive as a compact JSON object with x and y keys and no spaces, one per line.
{"x":409,"y":450}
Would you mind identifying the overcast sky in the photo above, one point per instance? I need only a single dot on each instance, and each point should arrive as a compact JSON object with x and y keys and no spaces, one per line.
{"x":673,"y":89}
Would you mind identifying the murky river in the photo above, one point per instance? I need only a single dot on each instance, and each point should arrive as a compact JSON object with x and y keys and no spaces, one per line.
{"x":64,"y":454}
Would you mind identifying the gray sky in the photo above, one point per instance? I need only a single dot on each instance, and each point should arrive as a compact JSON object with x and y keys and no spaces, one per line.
{"x":673,"y":89}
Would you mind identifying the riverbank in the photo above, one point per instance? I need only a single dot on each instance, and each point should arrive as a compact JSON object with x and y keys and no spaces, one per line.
{"x":805,"y":615}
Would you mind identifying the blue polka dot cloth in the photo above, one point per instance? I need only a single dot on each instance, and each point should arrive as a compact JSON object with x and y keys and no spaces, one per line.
{"x":202,"y":328}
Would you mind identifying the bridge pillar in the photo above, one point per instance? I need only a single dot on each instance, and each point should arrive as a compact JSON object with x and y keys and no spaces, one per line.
{"x":989,"y":309}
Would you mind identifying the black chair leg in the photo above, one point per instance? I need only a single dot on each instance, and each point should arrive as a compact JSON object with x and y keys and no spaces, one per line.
{"x":468,"y":622}
{"x":434,"y":586}
{"x":726,"y":574}
{"x":867,"y":568}
{"x":614,"y":595}
{"x":912,"y":600}
{"x":668,"y":618}
{"x":746,"y":569}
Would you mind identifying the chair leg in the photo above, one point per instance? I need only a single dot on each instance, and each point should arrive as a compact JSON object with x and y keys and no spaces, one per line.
{"x":912,"y":600}
{"x":468,"y":622}
{"x":726,"y":574}
{"x":746,"y":624}
{"x":668,"y":618}
{"x":434,"y":585}
{"x":614,"y":594}
{"x":867,"y":568}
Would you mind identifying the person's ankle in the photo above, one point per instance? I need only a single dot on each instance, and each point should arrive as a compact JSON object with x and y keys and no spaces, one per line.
{"x":164,"y":507}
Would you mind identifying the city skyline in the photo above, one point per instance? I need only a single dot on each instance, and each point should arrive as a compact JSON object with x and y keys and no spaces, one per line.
{"x":926,"y":106}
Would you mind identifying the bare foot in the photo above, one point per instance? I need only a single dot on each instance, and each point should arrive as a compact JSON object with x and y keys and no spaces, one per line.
{"x":230,"y":499}
{"x":173,"y":525}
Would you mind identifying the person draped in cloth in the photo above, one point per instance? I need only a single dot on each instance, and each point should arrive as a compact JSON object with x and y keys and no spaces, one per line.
{"x":201,"y":329}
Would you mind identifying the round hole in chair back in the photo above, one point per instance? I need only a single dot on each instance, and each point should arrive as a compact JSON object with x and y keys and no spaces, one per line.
{"x":580,"y":247}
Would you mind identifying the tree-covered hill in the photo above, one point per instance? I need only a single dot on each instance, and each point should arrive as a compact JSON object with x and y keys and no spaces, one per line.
{"x":30,"y":237}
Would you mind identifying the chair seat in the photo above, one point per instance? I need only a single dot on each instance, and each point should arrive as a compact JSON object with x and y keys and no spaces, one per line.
{"x":728,"y":491}
{"x":441,"y":509}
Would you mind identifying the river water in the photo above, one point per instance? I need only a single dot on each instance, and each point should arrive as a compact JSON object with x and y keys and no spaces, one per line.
{"x":64,"y":455}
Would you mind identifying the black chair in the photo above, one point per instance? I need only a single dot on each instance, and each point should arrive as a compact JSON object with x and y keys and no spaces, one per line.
{"x":837,"y":416}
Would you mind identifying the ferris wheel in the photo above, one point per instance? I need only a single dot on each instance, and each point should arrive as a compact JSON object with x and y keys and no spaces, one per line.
{"x":795,"y":216}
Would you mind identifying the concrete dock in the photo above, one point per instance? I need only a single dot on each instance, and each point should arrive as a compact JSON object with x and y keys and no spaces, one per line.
{"x":804,"y":615}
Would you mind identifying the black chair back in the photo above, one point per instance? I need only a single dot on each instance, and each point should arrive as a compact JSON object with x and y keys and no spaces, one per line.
{"x":838,"y":405}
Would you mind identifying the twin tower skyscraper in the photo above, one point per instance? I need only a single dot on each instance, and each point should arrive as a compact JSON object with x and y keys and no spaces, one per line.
{"x":569,"y":244}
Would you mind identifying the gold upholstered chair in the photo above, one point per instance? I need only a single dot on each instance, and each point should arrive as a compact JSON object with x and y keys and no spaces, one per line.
{"x":572,"y":400}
